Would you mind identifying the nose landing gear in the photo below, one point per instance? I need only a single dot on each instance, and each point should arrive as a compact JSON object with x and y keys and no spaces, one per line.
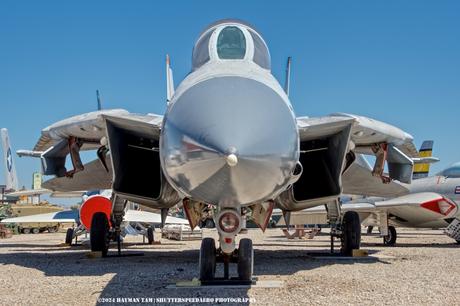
{"x":210,"y":256}
{"x":228,"y":223}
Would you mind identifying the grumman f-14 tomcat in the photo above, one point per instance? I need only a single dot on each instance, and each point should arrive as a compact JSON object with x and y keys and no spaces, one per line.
{"x":229,"y":138}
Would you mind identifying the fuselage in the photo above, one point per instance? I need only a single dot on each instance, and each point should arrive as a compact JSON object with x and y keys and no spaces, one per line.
{"x":445,"y":186}
{"x":229,"y":135}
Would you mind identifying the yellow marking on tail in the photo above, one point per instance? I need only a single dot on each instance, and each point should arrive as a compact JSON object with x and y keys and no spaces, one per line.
{"x":423,"y":167}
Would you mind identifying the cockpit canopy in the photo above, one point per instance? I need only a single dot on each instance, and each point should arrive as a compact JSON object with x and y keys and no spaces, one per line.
{"x":452,"y":171}
{"x":230,"y":40}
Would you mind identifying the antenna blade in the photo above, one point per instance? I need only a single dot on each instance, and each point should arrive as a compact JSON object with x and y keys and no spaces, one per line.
{"x":287,"y":81}
{"x":99,"y":104}
{"x":169,"y":81}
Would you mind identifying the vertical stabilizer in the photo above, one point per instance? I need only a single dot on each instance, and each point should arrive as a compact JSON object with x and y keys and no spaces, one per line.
{"x":422,"y":170}
{"x":10,"y":169}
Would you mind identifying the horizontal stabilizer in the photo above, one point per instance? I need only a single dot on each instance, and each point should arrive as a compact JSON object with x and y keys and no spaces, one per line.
{"x":29,"y":192}
{"x":148,"y":217}
{"x":94,"y":177}
{"x":358,"y":180}
{"x":400,"y":166}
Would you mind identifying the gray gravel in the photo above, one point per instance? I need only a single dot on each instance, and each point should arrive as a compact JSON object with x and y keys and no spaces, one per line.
{"x":424,"y":269}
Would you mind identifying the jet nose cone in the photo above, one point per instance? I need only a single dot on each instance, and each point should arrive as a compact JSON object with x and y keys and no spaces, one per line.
{"x":229,"y":140}
{"x":232,"y":160}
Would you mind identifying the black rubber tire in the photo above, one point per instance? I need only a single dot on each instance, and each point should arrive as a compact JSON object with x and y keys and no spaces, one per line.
{"x":69,"y":236}
{"x":99,"y":233}
{"x":150,"y":237}
{"x":207,"y":259}
{"x":35,"y":230}
{"x":390,"y":240}
{"x":52,"y":229}
{"x":351,"y":233}
{"x":245,"y":259}
{"x":369,"y":229}
{"x":25,"y":230}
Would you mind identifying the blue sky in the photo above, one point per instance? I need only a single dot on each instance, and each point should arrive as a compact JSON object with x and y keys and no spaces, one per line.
{"x":396,"y":61}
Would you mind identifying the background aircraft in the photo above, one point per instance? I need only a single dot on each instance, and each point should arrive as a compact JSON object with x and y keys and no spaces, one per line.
{"x":11,"y":178}
{"x":229,"y":138}
{"x":135,"y":222}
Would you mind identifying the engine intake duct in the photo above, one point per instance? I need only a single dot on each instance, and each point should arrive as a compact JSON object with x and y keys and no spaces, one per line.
{"x":322,"y":155}
{"x":136,"y":163}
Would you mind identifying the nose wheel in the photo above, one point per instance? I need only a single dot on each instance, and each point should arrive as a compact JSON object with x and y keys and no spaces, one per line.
{"x":207,"y":259}
{"x":243,"y":257}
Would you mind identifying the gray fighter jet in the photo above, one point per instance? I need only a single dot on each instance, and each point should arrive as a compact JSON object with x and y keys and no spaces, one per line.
{"x":229,"y":138}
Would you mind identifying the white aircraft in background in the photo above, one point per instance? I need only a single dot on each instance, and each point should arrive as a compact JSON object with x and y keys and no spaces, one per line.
{"x":431,"y":202}
{"x":229,"y":138}
{"x":10,"y":171}
{"x":136,"y":222}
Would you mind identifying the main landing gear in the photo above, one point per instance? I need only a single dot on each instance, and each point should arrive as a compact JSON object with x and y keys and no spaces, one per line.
{"x":100,"y":233}
{"x":346,"y":227}
{"x":103,"y":231}
{"x":351,"y":233}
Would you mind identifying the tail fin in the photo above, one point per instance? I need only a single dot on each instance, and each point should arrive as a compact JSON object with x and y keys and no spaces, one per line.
{"x":169,"y":81}
{"x":422,"y":170}
{"x":10,"y":169}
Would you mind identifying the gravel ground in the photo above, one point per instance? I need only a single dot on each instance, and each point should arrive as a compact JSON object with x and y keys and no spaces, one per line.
{"x":423,"y":269}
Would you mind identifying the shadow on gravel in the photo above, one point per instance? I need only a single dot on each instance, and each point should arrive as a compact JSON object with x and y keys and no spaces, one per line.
{"x":147,"y":276}
{"x":421,"y":245}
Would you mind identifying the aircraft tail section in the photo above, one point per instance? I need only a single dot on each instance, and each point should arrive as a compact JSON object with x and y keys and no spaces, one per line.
{"x":421,"y":170}
{"x":10,"y":170}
